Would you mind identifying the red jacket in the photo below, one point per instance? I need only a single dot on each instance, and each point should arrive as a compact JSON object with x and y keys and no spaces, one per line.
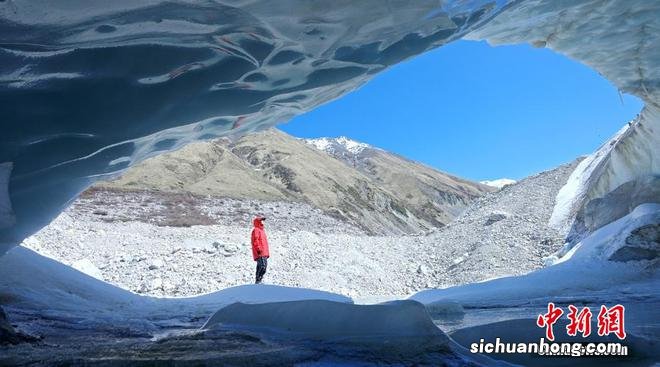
{"x":259,"y":240}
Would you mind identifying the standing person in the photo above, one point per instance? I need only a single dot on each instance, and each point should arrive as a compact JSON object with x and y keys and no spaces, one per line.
{"x":260,"y":252}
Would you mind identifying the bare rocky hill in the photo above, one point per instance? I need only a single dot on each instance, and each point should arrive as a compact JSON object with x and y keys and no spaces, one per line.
{"x":383,"y":194}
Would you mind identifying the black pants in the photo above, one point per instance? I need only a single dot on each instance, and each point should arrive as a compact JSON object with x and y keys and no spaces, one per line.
{"x":262,"y":263}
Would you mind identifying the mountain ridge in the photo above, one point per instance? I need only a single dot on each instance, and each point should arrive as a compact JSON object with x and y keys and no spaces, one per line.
{"x":379,"y":192}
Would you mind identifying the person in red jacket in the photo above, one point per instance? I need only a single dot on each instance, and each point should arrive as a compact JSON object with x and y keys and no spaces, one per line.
{"x":260,"y":252}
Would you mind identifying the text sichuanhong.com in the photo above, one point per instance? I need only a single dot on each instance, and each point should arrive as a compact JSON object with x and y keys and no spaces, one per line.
{"x":544,"y":348}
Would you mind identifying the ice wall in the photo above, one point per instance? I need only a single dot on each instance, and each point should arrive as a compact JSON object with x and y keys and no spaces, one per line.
{"x":89,"y":88}
{"x":622,"y":173}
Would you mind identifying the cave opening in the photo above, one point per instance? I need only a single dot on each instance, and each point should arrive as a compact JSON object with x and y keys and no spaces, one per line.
{"x":178,"y":224}
{"x":90,"y":90}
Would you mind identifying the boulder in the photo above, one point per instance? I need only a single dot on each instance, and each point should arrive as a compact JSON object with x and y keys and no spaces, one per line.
{"x":156,"y":264}
{"x":496,"y":216}
{"x":225,"y":249}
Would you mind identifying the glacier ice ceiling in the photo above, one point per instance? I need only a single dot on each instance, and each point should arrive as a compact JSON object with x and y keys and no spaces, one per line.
{"x":89,"y":88}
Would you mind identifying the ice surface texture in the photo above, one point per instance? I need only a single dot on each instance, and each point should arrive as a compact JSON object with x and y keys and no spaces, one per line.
{"x":336,"y":321}
{"x":88,"y":88}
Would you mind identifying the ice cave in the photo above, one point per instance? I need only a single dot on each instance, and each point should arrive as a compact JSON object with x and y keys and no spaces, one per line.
{"x":90,"y":88}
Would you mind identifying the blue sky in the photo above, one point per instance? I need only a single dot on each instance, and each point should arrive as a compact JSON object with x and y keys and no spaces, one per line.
{"x":479,"y":112}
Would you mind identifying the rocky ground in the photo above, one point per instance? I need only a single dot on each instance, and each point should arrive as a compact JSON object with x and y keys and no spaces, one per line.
{"x":500,"y":234}
{"x":180,"y":244}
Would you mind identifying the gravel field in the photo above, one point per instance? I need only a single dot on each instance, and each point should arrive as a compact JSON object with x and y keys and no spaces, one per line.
{"x":182,"y":245}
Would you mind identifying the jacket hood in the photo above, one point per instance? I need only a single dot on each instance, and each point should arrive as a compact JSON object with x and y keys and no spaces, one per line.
{"x":258,"y":222}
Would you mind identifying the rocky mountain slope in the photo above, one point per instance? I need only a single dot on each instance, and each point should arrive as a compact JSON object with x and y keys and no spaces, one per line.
{"x":504,"y":233}
{"x":377,"y":191}
{"x":434,"y":196}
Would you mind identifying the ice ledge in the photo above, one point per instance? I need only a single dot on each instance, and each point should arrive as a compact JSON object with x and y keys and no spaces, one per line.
{"x":330,"y":320}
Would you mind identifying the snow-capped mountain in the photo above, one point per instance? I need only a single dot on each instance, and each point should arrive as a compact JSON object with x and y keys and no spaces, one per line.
{"x":499,"y":183}
{"x":339,"y":146}
{"x":436,"y":196}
